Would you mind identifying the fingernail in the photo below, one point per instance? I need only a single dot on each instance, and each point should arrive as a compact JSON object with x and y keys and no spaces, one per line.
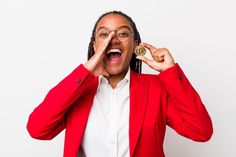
{"x":112,"y":32}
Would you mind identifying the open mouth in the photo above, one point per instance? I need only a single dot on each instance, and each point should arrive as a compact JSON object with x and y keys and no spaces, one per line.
{"x":113,"y":55}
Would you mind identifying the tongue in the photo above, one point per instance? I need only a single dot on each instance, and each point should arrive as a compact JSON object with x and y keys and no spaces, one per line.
{"x":114,"y":58}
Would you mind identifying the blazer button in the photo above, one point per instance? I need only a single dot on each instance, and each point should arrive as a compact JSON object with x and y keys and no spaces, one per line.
{"x":79,"y":80}
{"x":180,"y":77}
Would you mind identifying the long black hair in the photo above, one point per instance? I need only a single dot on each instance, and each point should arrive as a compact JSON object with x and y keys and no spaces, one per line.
{"x":135,"y":64}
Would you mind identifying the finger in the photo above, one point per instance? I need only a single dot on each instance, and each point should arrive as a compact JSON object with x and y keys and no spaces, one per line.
{"x":148,"y":46}
{"x":153,"y":51}
{"x":106,"y":42}
{"x":151,"y":63}
{"x":145,"y":60}
{"x":167,"y":57}
{"x":158,"y":58}
{"x":159,"y":55}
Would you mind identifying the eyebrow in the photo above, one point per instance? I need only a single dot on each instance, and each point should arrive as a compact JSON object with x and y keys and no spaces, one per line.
{"x":124,"y":26}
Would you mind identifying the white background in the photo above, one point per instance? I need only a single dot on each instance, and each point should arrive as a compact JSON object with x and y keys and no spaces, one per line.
{"x":43,"y":41}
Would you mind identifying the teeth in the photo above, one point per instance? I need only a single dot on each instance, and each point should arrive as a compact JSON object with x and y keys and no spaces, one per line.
{"x":113,"y":50}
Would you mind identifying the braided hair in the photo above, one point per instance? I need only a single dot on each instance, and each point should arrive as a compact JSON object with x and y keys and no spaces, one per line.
{"x":135,"y":64}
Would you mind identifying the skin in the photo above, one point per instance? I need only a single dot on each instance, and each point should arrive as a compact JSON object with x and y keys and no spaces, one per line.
{"x":98,"y":64}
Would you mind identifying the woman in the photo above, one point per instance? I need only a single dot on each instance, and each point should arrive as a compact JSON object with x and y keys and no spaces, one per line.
{"x":109,"y":108}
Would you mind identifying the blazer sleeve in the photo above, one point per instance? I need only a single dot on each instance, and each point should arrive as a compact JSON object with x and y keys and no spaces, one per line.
{"x":186,"y":113}
{"x":48,"y":119}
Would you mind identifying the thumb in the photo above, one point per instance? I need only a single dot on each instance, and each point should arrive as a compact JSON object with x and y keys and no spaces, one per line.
{"x":151,"y":63}
{"x":145,"y":60}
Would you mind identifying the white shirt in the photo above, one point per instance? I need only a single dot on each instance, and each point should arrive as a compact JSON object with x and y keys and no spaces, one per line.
{"x":107,"y":130}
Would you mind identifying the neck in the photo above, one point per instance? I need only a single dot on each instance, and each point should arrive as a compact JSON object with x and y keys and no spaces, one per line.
{"x":115,"y":79}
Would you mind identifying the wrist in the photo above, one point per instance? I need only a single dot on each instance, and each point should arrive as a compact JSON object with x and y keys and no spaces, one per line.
{"x":88,"y":67}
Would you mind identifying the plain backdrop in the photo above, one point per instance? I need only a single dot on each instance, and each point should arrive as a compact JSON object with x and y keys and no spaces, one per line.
{"x":43,"y":41}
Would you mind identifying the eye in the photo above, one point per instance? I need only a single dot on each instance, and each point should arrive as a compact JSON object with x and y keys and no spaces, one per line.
{"x":103,"y":34}
{"x":123,"y":34}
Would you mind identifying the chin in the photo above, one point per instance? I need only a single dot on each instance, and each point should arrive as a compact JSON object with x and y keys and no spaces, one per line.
{"x":115,"y":70}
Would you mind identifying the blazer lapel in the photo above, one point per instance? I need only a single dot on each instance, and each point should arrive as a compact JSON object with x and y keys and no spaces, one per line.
{"x":138,"y":102}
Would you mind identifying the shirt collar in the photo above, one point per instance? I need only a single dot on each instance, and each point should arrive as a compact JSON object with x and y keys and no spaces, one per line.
{"x":126,"y":78}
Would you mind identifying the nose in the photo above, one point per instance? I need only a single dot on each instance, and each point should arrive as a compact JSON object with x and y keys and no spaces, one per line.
{"x":114,"y":38}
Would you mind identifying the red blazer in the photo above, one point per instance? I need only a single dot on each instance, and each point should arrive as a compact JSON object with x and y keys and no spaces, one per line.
{"x":155,"y":101}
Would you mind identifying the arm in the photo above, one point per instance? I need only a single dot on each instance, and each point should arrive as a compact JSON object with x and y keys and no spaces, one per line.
{"x":48,"y":119}
{"x":186,"y":113}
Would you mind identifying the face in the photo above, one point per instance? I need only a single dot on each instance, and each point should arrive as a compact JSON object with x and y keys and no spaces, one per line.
{"x":119,"y":51}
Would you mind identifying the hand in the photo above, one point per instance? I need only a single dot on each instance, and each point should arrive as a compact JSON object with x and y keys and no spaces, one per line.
{"x":95,"y":63}
{"x":162,"y":58}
